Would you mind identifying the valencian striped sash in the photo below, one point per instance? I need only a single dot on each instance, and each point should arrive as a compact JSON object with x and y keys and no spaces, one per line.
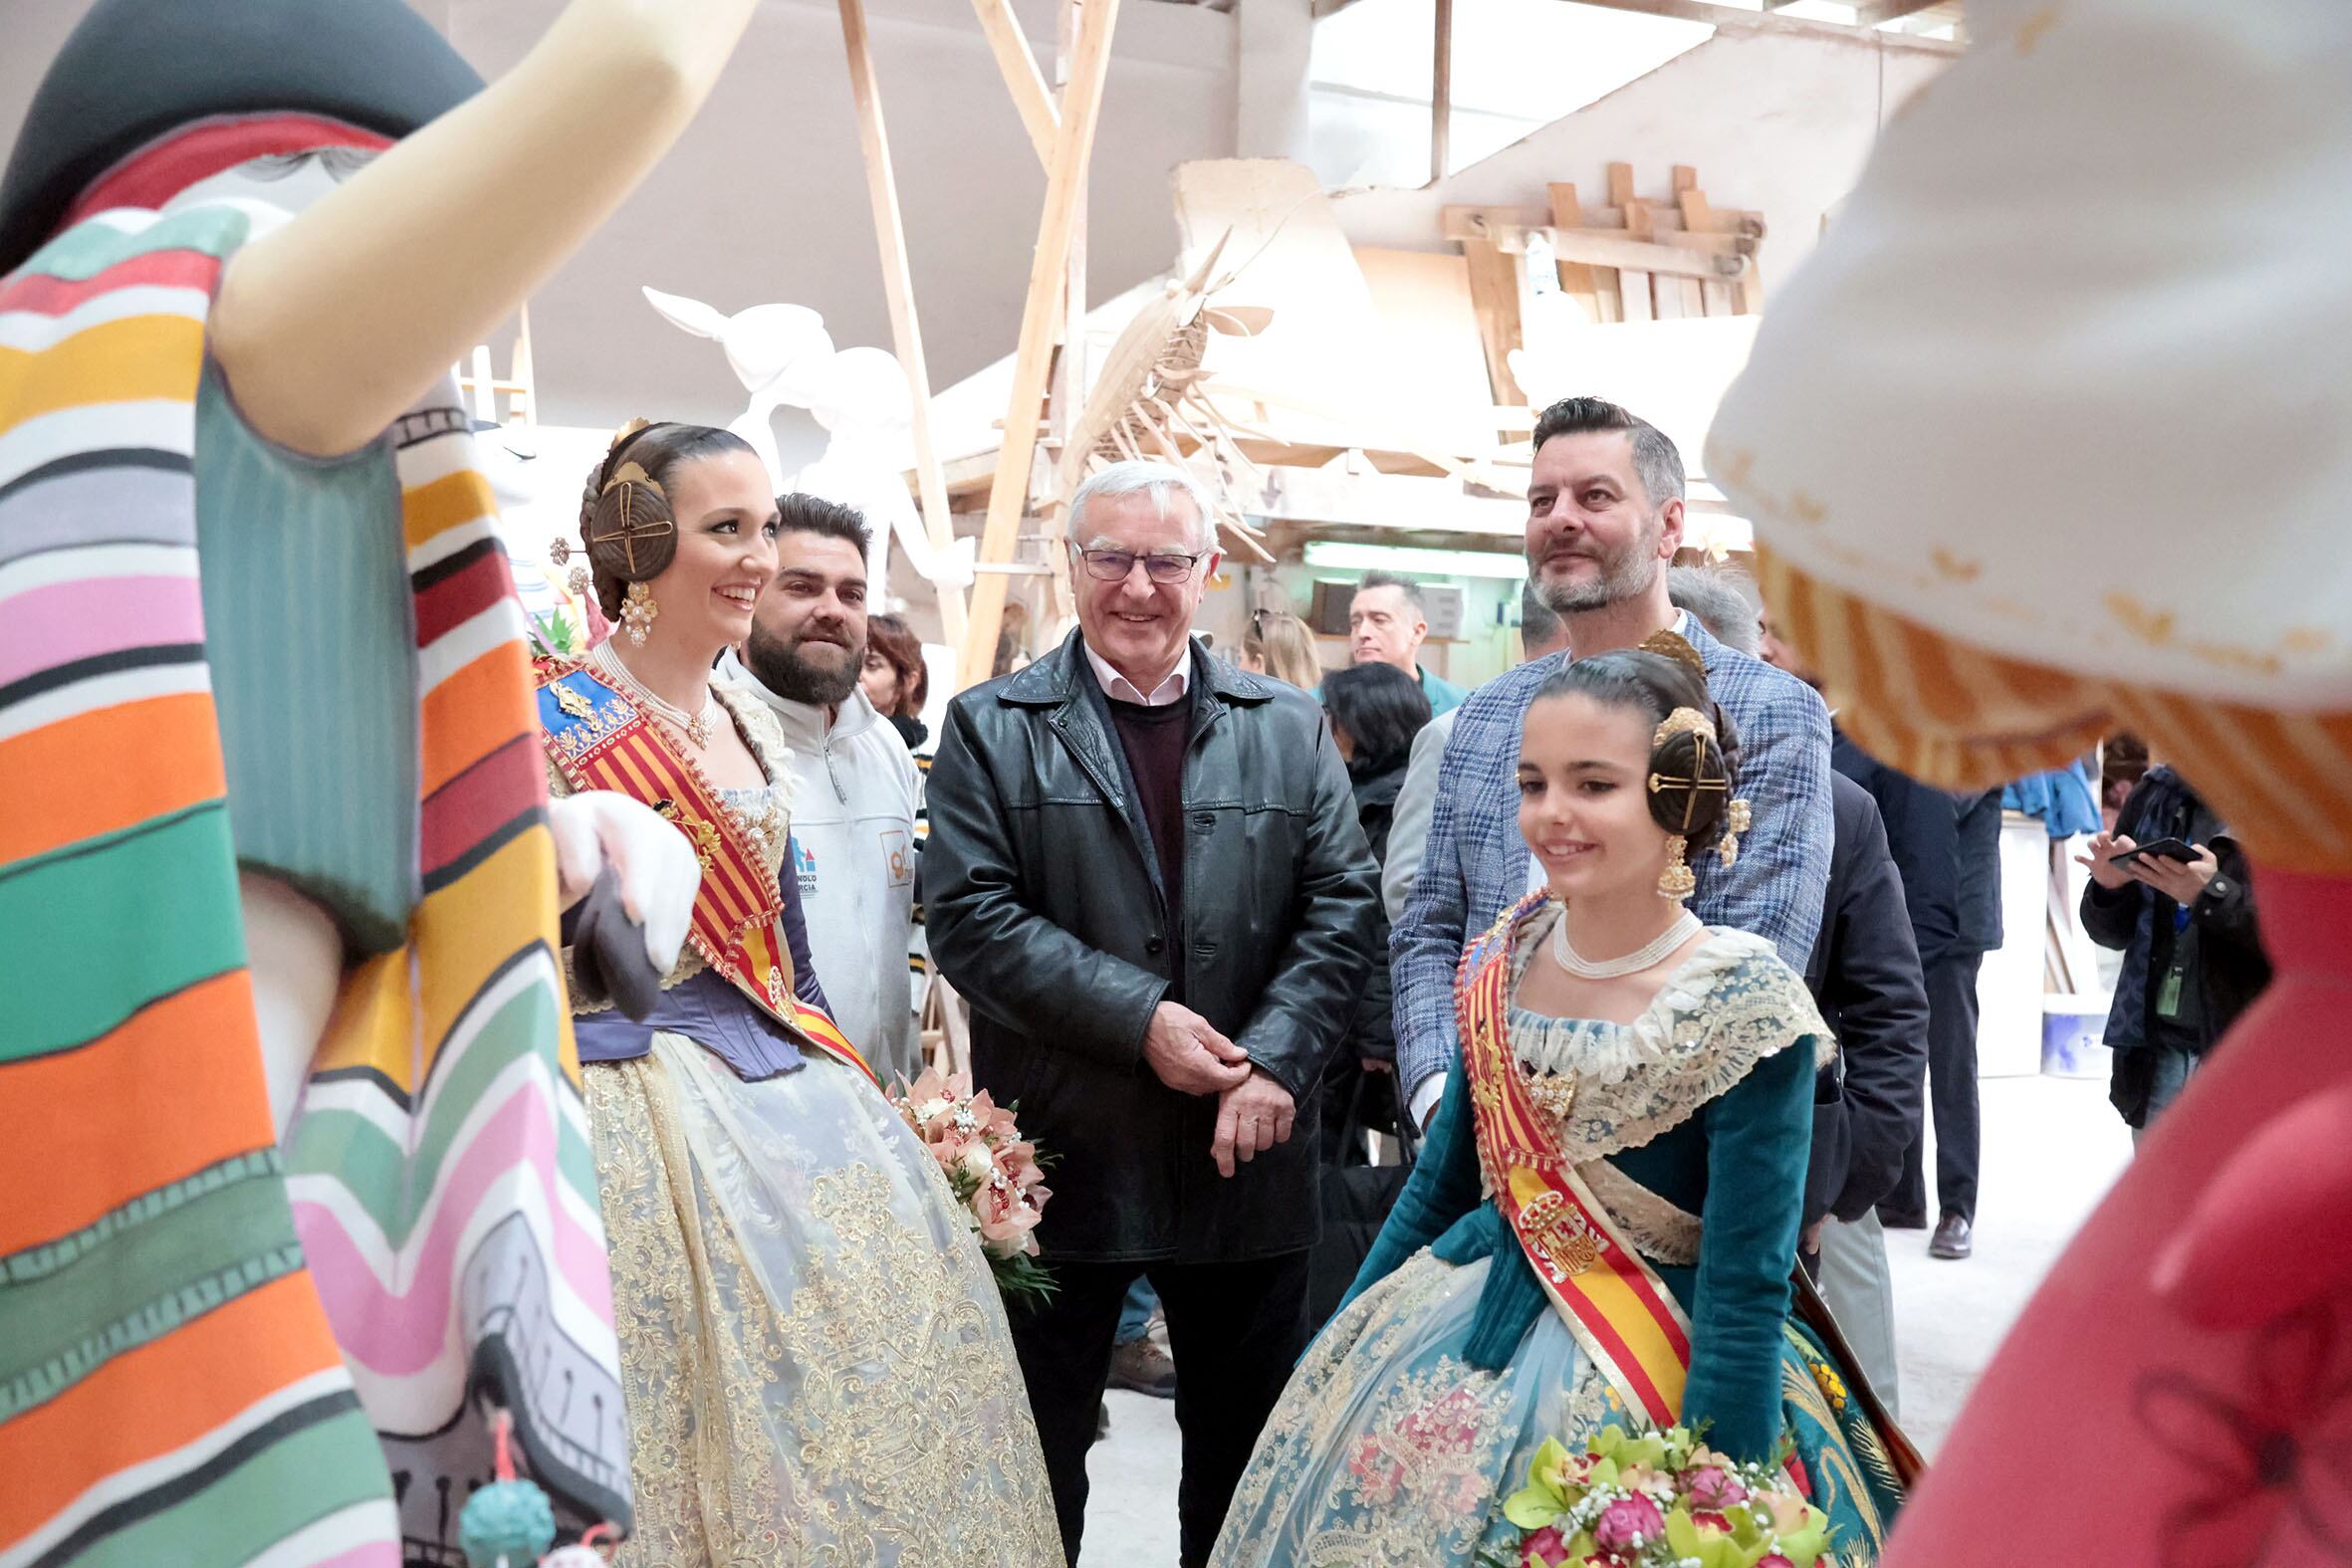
{"x":1618,"y":1309}
{"x":207,"y":1351}
{"x":600,"y":740}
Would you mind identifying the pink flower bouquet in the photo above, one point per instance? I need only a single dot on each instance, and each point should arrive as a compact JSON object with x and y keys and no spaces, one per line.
{"x":1661,"y":1499}
{"x":995,"y":1174}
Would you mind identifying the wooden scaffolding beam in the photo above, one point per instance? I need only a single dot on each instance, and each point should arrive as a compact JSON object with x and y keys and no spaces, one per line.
{"x":1041,"y":315}
{"x":1022,"y":78}
{"x":898,"y":290}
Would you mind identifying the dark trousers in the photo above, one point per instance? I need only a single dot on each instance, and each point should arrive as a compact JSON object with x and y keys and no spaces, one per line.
{"x":1234,"y":1329}
{"x":1952,"y":1096}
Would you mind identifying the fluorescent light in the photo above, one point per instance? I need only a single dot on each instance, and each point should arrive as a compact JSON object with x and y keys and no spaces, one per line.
{"x":1425,"y":563}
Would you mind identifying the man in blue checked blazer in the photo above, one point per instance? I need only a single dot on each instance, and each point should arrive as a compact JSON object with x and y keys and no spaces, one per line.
{"x":1604,"y":517}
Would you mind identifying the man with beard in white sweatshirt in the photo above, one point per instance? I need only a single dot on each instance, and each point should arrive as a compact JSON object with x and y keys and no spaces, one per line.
{"x":854,"y":788}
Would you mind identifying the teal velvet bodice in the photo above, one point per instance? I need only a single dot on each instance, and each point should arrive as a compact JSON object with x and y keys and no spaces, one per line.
{"x":1738,"y":1163}
{"x":308,"y":632}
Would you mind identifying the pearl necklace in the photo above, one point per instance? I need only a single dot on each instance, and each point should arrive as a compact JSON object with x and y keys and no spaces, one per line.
{"x":697,"y":725}
{"x":1685,"y":926}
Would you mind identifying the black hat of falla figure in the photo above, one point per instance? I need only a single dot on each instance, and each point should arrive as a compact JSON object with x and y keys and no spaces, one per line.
{"x":135,"y":70}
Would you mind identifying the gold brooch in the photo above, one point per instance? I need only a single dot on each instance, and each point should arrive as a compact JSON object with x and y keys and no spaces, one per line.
{"x":1554,"y":1094}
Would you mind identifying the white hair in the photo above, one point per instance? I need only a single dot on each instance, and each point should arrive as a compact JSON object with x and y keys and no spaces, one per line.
{"x":1717,"y":596}
{"x":1141,"y":477}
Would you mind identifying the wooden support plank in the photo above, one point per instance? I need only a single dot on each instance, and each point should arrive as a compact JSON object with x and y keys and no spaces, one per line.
{"x":1746,"y":294}
{"x":1737,"y":19}
{"x":1577,"y":279}
{"x":898,"y":291}
{"x":1688,"y":296}
{"x":1008,"y":497}
{"x":1068,"y":398}
{"x":1615,"y":250}
{"x":1715,"y":296}
{"x":1640,"y":306}
{"x":1494,"y":294}
{"x":1471,"y":221}
{"x":1441,"y":94}
{"x":1019,"y":69}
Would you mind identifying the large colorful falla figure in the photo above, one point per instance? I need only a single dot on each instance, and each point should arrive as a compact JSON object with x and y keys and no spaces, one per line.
{"x":2053,"y":438}
{"x":299,"y":1181}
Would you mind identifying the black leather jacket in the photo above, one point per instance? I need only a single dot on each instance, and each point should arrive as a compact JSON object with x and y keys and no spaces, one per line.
{"x":1044,"y":909}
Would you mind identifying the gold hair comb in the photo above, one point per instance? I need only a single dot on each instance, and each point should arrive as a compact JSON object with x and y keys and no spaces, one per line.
{"x":631,"y":474}
{"x":1668,"y":645}
{"x":1683,"y":720}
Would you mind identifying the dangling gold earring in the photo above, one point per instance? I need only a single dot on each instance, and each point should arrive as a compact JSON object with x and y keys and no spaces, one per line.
{"x":1736,"y":821}
{"x":1677,"y":883}
{"x":637,"y":611}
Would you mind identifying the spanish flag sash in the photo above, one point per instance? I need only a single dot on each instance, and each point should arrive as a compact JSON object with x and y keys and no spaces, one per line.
{"x":600,"y":740}
{"x":1615,"y":1305}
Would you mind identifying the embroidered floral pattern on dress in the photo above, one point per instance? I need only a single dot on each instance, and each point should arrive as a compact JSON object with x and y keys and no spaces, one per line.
{"x":1392,"y":1458}
{"x":804,"y":1327}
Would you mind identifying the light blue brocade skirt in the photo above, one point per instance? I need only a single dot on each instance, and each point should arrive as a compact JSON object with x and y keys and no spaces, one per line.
{"x":1390,"y":1450}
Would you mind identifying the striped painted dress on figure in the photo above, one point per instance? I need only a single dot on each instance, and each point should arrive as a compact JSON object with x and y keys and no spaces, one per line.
{"x":210,"y":1352}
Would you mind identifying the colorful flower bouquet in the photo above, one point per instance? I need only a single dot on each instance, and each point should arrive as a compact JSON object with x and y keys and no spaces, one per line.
{"x":995,"y":1175}
{"x":1662,"y":1499}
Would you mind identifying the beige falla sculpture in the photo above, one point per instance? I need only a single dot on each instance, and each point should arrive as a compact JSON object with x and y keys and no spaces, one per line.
{"x":281,"y":862}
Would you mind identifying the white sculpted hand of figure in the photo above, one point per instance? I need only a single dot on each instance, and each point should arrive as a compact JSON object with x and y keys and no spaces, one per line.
{"x":655,"y":864}
{"x":1185,"y":1052}
{"x":1252,"y":1117}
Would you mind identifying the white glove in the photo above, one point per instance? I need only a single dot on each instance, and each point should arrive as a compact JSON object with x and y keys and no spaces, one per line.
{"x":656,"y":866}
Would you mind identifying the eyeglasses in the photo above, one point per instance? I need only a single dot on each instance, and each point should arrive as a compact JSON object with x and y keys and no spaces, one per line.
{"x":1112,"y":565}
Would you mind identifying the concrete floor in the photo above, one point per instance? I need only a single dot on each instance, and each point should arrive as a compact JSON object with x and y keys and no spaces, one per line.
{"x":2052,"y":1146}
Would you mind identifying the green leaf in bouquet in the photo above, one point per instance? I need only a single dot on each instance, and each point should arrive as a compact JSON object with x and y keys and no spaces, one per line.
{"x":555,"y":636}
{"x":1023,"y":1281}
{"x":1532,"y":1506}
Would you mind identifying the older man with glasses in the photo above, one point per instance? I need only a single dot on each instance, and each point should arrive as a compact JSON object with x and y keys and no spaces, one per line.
{"x":1147,"y":877}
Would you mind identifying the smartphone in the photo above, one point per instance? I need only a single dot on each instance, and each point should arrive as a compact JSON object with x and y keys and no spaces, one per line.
{"x":2163,"y":848}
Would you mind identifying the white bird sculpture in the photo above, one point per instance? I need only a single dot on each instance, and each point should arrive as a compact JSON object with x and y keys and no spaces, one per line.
{"x":860,"y":397}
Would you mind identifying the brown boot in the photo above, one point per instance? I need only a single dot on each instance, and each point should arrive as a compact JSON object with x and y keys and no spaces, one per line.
{"x":1144,"y":1368}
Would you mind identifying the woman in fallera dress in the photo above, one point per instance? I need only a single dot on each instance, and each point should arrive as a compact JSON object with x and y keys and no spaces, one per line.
{"x":814,"y":1355}
{"x":1603,"y":1222}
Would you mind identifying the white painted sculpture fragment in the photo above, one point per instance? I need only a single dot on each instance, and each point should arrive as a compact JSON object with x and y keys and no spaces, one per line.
{"x":785,"y":359}
{"x":772,"y":349}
